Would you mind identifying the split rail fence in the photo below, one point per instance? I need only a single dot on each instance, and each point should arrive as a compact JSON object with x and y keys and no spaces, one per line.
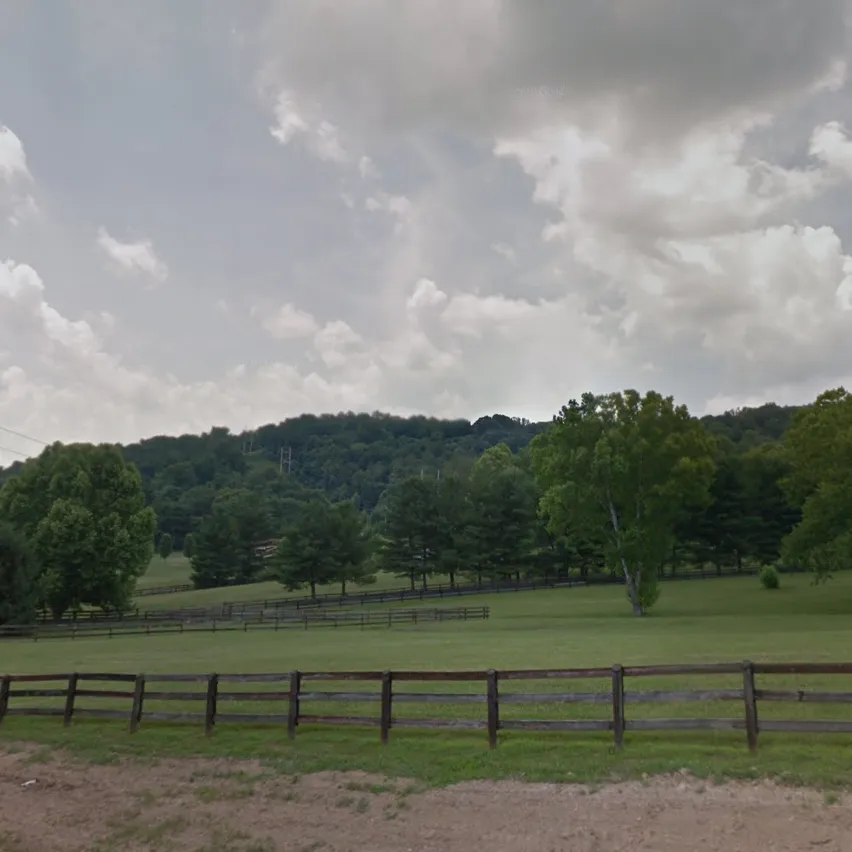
{"x":279,"y":621}
{"x":297,"y":699}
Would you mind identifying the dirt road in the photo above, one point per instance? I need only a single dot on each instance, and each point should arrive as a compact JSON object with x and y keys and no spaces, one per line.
{"x":224,"y":806}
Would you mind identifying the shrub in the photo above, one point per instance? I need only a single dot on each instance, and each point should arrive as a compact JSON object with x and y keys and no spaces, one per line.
{"x":769,"y":577}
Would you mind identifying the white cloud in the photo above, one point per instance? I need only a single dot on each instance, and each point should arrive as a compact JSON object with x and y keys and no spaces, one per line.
{"x":397,"y":206}
{"x":426,"y":295}
{"x":135,"y":257}
{"x":304,"y":121}
{"x":831,"y":144}
{"x":558,"y":197}
{"x":13,"y":159}
{"x":16,"y":203}
{"x":289,"y":323}
{"x":505,"y":250}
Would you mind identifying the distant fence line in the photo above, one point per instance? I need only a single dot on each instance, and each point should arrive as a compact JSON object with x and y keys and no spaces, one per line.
{"x":282,"y":621}
{"x":591,"y":578}
{"x":295,"y":689}
{"x":244,"y":609}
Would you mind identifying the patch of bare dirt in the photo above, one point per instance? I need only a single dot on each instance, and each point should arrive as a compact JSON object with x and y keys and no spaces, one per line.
{"x":227,"y":806}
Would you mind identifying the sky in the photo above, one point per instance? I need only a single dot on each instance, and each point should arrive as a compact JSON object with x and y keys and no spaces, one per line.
{"x":230,"y":213}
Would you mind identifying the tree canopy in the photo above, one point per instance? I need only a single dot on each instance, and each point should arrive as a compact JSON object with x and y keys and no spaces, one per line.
{"x":446,"y":500}
{"x":624,"y":468}
{"x":82,"y":509}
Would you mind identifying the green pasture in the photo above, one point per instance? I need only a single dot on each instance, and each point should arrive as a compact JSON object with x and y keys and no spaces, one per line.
{"x":172,"y":571}
{"x":695,"y":621}
{"x":165,"y":573}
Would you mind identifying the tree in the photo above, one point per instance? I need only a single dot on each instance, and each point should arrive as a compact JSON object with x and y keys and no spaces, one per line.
{"x":410,"y":537}
{"x":502,"y":524}
{"x":819,"y":450}
{"x":166,"y":545}
{"x":328,"y":543}
{"x":623,"y":467}
{"x":454,"y":515}
{"x":217,"y":551}
{"x":188,"y":545}
{"x":351,"y":543}
{"x":82,"y":508}
{"x":226,"y":544}
{"x":19,"y":578}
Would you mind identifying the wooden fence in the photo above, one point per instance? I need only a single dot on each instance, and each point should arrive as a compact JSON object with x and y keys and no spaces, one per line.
{"x":292,"y":695}
{"x":280,"y":621}
{"x":489,"y":586}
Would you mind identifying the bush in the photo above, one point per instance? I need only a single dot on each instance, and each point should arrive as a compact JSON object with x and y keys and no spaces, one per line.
{"x":769,"y":577}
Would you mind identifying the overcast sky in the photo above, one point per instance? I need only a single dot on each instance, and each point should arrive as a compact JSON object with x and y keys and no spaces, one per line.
{"x":229,"y":213}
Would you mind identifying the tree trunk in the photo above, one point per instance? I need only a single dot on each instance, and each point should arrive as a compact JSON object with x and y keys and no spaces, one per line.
{"x":423,"y":581}
{"x":633,"y":594}
{"x":343,"y":588}
{"x":739,"y":563}
{"x":313,"y":588}
{"x":631,"y":583}
{"x":452,"y":579}
{"x":413,"y":577}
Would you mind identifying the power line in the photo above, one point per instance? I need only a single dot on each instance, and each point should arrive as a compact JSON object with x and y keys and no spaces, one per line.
{"x":22,"y":435}
{"x":14,"y":452}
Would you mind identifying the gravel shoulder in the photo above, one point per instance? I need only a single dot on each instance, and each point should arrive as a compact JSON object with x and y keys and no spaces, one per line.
{"x":241,"y":806}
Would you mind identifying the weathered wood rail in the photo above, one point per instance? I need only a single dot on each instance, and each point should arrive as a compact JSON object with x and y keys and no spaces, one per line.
{"x":294,"y":694}
{"x":309,"y":618}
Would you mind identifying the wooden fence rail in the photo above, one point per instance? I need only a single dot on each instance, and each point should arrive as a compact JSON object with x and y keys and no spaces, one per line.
{"x":294,"y":694}
{"x":280,"y":621}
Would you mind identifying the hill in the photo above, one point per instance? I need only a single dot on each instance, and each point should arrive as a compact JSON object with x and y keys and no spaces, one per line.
{"x":345,"y":455}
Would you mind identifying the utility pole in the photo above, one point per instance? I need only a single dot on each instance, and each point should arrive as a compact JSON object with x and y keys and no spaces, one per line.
{"x":281,"y":461}
{"x":289,"y":459}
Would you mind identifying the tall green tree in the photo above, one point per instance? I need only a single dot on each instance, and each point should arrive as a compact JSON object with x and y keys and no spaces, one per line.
{"x":501,"y":529}
{"x":19,"y":578}
{"x":819,"y":450}
{"x":188,"y":546}
{"x":622,"y":467}
{"x":216,"y":558}
{"x":82,"y":508}
{"x":226,"y":544}
{"x":165,"y":546}
{"x":409,"y":541}
{"x":351,"y":542}
{"x":328,"y":543}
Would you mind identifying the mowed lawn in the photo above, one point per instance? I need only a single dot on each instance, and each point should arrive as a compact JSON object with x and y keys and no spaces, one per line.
{"x":694,"y":621}
{"x":176,"y":570}
{"x":173,"y":571}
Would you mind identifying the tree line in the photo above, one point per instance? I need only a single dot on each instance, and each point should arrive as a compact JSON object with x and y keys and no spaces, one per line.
{"x":622,"y":482}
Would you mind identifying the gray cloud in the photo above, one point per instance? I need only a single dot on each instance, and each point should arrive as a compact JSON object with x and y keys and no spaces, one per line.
{"x":416,"y":207}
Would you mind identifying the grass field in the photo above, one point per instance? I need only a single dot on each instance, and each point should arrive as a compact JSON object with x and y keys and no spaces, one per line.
{"x":165,"y":572}
{"x":176,"y":570}
{"x":695,"y":621}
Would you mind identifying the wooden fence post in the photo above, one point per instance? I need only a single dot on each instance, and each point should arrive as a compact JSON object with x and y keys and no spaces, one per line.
{"x":69,"y":699}
{"x":5,"y":689}
{"x":618,"y":720}
{"x":387,"y":706}
{"x":210,"y":709}
{"x":293,"y":709}
{"x":750,"y":706}
{"x":493,"y":709}
{"x":138,"y":698}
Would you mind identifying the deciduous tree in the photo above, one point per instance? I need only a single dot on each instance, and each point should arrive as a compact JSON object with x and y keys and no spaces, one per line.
{"x":19,"y":578}
{"x":165,"y":545}
{"x":622,"y":467}
{"x":83,"y":510}
{"x":819,"y":449}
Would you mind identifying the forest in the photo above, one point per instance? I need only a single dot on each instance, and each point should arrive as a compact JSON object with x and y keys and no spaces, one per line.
{"x":620,"y":483}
